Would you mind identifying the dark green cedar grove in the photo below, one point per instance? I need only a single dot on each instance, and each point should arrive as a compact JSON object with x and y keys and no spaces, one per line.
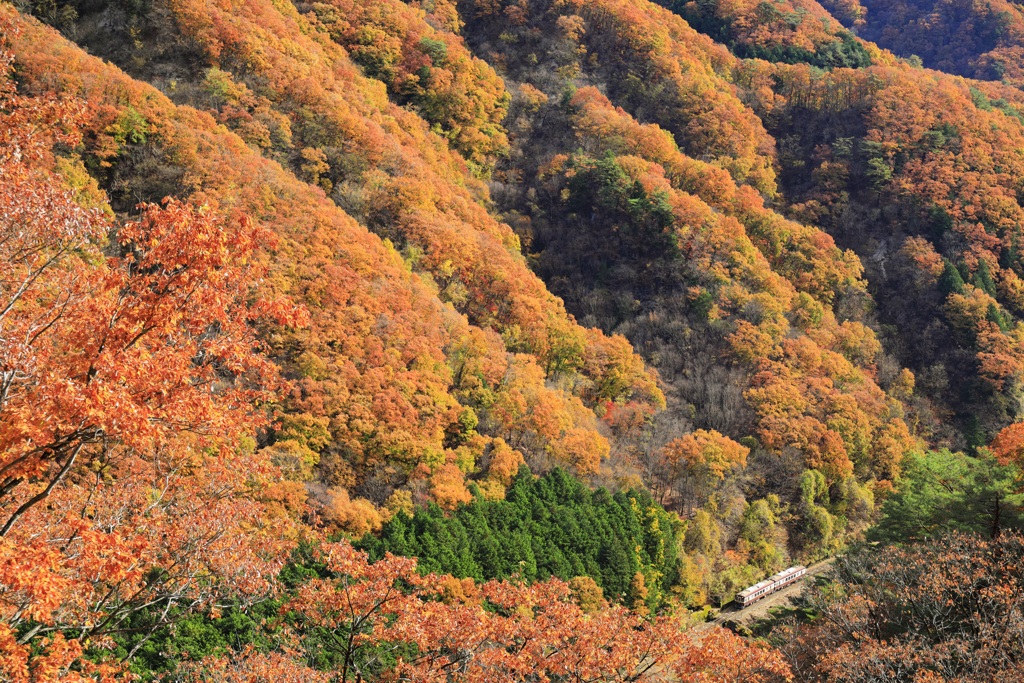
{"x":548,"y":526}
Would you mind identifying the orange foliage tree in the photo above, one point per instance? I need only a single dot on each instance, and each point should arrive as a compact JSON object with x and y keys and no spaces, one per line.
{"x":1008,"y":445}
{"x":150,"y":343}
{"x":388,"y":615}
{"x":701,"y":459}
{"x":129,"y":387}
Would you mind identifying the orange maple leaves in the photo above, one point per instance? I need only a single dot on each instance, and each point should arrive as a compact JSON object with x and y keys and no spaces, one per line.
{"x":708,"y":454}
{"x":133,"y":349}
{"x":387,"y":612}
{"x":128,"y":385}
{"x":127,"y":349}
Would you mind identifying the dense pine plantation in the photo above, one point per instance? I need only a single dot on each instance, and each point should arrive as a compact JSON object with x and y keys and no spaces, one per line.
{"x":554,"y":526}
{"x":508,"y":340}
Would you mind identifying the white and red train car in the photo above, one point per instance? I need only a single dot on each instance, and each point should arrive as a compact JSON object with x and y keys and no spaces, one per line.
{"x":770,"y":585}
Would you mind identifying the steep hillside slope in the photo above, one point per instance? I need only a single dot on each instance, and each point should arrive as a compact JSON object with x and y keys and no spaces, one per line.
{"x":914,"y":171}
{"x":756,"y":322}
{"x":653,"y":220}
{"x":792,"y":32}
{"x":976,"y":39}
{"x":727,"y":252}
{"x":388,"y":375}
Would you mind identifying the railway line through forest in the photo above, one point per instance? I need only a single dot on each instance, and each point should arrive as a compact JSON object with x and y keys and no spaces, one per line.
{"x":761,"y":608}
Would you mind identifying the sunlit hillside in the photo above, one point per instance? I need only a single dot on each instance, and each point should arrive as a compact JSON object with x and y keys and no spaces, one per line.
{"x":491,"y":340}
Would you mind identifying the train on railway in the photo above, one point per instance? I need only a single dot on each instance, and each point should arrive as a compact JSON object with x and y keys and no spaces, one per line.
{"x":770,"y":585}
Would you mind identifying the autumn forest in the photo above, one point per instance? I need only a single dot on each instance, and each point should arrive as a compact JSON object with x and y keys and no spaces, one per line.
{"x":510,"y":340}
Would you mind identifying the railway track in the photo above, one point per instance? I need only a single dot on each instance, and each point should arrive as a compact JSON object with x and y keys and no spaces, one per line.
{"x":760,"y":609}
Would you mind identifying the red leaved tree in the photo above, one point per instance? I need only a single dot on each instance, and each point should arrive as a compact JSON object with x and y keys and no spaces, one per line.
{"x":129,"y":379}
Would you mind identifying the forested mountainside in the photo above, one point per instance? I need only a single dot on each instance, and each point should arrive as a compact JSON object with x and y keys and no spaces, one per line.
{"x":974,"y":39}
{"x":603,"y":310}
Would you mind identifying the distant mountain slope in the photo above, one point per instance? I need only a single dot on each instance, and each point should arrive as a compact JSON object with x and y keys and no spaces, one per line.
{"x":639,"y":236}
{"x":966,"y":37}
{"x":914,"y":170}
{"x":920,"y":173}
{"x":801,"y":31}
